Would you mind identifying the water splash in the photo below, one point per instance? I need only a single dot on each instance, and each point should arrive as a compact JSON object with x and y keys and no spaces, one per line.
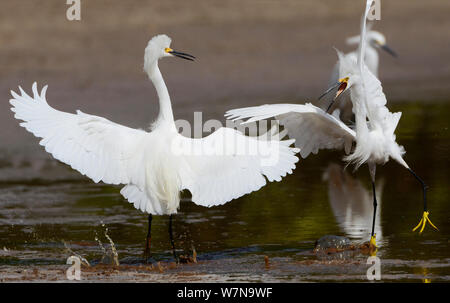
{"x":83,"y":260}
{"x":100,"y":244}
{"x":113,"y":248}
{"x":113,"y":254}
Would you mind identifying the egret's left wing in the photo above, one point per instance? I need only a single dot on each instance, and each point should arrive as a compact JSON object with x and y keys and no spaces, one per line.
{"x":96,"y":147}
{"x":227,"y":164}
{"x":311,"y":127}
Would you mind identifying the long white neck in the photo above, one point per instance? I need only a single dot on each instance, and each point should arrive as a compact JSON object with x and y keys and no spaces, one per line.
{"x":371,"y":59}
{"x":360,"y":110}
{"x":165,"y":116}
{"x":359,"y":91}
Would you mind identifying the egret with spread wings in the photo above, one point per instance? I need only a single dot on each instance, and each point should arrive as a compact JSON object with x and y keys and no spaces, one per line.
{"x":156,"y":165}
{"x":372,"y":135}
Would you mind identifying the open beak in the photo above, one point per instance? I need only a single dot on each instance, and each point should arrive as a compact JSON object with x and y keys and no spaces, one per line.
{"x":341,"y":84}
{"x":180,"y":54}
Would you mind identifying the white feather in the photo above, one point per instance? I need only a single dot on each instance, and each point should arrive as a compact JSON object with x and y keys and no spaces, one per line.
{"x":311,"y":127}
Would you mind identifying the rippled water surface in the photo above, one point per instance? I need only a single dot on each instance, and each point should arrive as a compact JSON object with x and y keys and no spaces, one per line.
{"x":45,"y":208}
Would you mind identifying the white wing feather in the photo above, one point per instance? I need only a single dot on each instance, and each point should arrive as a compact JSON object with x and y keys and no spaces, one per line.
{"x":311,"y":127}
{"x":95,"y":146}
{"x":227,"y":164}
{"x":216,"y":169}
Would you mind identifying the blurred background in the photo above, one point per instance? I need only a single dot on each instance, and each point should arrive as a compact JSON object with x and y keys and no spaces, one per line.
{"x":249,"y":53}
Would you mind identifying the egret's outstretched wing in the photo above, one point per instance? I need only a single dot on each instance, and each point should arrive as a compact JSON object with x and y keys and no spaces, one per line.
{"x":96,"y":147}
{"x":310,"y":126}
{"x":227,"y":165}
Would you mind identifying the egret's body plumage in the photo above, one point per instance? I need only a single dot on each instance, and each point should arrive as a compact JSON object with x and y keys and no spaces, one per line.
{"x":374,"y":123}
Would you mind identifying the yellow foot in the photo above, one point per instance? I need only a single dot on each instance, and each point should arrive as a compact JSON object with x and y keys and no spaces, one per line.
{"x":373,"y":245}
{"x":373,"y":241}
{"x":423,"y":222}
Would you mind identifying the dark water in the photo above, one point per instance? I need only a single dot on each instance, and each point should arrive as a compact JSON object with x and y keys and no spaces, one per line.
{"x":40,"y":210}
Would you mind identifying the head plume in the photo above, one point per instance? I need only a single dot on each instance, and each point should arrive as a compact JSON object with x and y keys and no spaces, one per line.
{"x":156,"y":49}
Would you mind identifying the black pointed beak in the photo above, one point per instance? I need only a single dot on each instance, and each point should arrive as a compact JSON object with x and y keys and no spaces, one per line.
{"x":330,"y":89}
{"x":341,"y":85}
{"x":182,"y":55}
{"x":389,"y":50}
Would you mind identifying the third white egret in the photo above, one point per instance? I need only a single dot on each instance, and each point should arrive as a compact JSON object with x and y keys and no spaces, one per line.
{"x":156,"y":165}
{"x":373,"y":132}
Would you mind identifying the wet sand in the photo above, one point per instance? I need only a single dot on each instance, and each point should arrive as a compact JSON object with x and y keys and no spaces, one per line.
{"x":231,"y":270}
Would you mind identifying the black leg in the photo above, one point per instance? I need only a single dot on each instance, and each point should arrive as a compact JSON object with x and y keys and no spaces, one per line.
{"x":148,"y":242}
{"x":425,"y":217}
{"x":373,"y":241}
{"x":424,"y":188}
{"x":171,"y":239}
{"x":374,"y":208}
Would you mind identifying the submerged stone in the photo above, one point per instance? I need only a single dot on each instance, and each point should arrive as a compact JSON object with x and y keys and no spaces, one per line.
{"x":332,"y":242}
{"x":332,"y":247}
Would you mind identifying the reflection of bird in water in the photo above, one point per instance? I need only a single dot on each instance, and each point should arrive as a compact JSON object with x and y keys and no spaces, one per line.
{"x":374,"y":41}
{"x":371,"y":140}
{"x":156,"y":165}
{"x":352,"y":203}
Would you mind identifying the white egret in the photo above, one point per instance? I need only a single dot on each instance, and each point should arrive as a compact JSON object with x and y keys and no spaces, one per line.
{"x":156,"y":165}
{"x":373,"y":132}
{"x":374,"y":41}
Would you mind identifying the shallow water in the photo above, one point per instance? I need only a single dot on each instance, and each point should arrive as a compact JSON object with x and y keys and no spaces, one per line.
{"x":44,"y":205}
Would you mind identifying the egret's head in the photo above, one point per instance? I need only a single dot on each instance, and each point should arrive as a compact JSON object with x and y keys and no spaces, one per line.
{"x":378,"y":40}
{"x":342,"y":85}
{"x":348,"y":75}
{"x":159,"y":47}
{"x":374,"y":39}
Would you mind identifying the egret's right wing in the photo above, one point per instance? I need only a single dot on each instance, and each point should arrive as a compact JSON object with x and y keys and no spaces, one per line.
{"x":311,"y":127}
{"x":96,"y":147}
{"x":228,"y":164}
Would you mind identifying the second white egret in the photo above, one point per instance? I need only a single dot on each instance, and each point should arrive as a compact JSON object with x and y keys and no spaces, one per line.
{"x":373,"y":132}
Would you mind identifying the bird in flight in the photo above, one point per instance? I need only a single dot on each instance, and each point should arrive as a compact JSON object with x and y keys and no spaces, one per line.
{"x":371,"y":140}
{"x":156,"y":165}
